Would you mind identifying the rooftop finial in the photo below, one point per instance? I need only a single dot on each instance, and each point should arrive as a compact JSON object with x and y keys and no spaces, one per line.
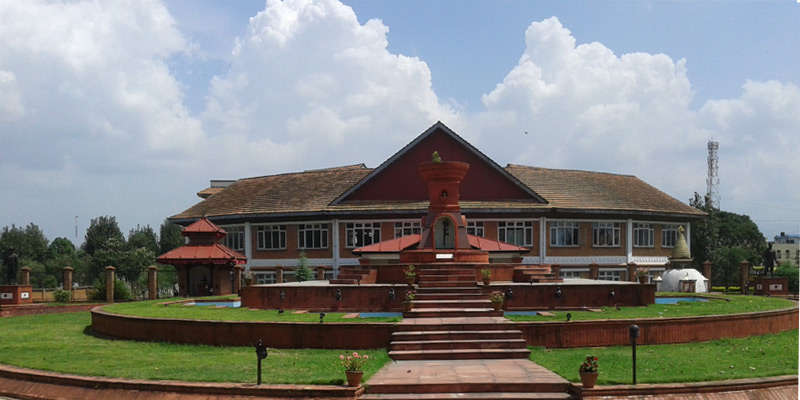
{"x":435,"y":157}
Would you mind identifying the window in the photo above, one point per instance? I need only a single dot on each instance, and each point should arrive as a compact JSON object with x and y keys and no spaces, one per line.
{"x":609,"y":275}
{"x":563,"y":234}
{"x":643,"y":235}
{"x":407,"y":228}
{"x":312,"y":236}
{"x":519,"y":233}
{"x":235,"y":238}
{"x":778,"y":254}
{"x":271,"y":237}
{"x":264,"y":278}
{"x":605,"y":234}
{"x":669,"y":235}
{"x":570,"y":274}
{"x":362,"y":234}
{"x":475,"y":228}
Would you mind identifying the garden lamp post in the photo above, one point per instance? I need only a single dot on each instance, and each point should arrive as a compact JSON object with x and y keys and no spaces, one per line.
{"x":261,"y":353}
{"x":633,"y":332}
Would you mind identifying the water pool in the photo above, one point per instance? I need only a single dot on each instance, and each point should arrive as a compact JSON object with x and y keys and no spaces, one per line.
{"x":675,"y":300}
{"x":521,"y":313}
{"x":379,"y":314}
{"x":230,"y":304}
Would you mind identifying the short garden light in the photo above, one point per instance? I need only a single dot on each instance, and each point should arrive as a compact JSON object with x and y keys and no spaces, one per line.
{"x":261,"y":353}
{"x":391,"y":294}
{"x":633,"y":332}
{"x":338,"y":294}
{"x":321,"y":317}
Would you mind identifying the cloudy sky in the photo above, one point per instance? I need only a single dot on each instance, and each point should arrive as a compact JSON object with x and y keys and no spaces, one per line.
{"x":128,"y":108}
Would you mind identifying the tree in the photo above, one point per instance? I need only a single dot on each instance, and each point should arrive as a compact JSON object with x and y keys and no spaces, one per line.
{"x":302,"y":273}
{"x":169,"y":237}
{"x":143,"y":237}
{"x":790,"y":272}
{"x":100,"y":231}
{"x":29,"y":243}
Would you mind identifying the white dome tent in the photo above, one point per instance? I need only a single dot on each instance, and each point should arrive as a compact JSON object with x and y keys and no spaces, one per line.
{"x":671,"y":280}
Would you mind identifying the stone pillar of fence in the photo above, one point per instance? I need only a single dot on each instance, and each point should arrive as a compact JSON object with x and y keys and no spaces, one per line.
{"x":632,"y":272}
{"x":152,"y":282}
{"x":25,"y":276}
{"x":278,"y":274}
{"x":744,"y":274}
{"x":593,"y":270}
{"x":320,"y":273}
{"x":66,"y":273}
{"x":110,"y":284}
{"x":555,"y":269}
{"x":707,"y":273}
{"x":237,"y":279}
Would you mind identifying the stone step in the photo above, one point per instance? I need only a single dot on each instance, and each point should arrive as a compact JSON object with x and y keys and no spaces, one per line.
{"x":476,"y":295}
{"x":476,"y":396}
{"x":473,"y":344}
{"x":350,"y":276}
{"x":452,"y":313}
{"x":459,"y":354}
{"x":450,"y":277}
{"x":449,"y":284}
{"x":343,"y":282}
{"x":451,"y":290}
{"x":474,"y":302}
{"x":456,"y":335}
{"x":455,"y":324}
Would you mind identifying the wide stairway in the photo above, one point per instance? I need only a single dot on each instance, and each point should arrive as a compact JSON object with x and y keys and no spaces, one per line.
{"x":453,"y":344}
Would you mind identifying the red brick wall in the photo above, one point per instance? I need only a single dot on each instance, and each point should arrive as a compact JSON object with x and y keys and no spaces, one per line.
{"x":16,"y":311}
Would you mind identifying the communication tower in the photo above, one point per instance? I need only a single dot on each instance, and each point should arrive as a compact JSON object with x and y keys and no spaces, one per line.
{"x":712,"y":182}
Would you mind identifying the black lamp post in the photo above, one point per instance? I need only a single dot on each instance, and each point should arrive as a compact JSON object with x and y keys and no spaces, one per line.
{"x":633,"y":332}
{"x":261,"y":353}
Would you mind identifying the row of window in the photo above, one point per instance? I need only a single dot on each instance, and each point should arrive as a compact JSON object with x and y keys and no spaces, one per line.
{"x":520,"y":233}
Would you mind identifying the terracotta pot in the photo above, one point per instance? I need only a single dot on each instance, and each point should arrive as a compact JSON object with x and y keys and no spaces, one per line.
{"x":248,"y":281}
{"x":498,"y":305}
{"x":642,"y":278}
{"x":410,"y":281}
{"x":588,"y":379}
{"x":354,"y":378}
{"x":407,"y":306}
{"x":487,"y":281}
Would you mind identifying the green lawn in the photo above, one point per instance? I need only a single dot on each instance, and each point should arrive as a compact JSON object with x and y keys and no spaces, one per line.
{"x":752,"y":357}
{"x":63,"y":343}
{"x":719,"y":305}
{"x":159,"y":309}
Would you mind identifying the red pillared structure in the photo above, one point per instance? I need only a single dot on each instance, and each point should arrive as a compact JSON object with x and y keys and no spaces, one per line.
{"x":444,"y":235}
{"x":205,"y":266}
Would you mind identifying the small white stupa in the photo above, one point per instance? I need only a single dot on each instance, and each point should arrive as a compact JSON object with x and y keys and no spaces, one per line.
{"x":682,"y":278}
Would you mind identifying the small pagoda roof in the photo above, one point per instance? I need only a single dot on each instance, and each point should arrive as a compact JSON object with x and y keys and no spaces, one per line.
{"x":409,"y":241}
{"x":203,"y":227}
{"x":212,"y":253}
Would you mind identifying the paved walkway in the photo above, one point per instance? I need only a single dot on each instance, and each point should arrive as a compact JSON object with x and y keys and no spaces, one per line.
{"x":464,"y":372}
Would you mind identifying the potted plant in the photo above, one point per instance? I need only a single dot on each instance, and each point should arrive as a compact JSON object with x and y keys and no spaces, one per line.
{"x":497,"y":298}
{"x":487,"y":276}
{"x":352,"y":367}
{"x":248,"y":278}
{"x":641,"y":273}
{"x":411,"y":275}
{"x":589,"y":371}
{"x":408,"y":302}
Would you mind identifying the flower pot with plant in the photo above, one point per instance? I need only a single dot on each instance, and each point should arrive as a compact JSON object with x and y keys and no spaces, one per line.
{"x":411,"y":275}
{"x":408,"y":301}
{"x":589,"y":371}
{"x":497,"y":298}
{"x":487,"y":276}
{"x":641,"y":274}
{"x":249,"y":277}
{"x":352,"y":364}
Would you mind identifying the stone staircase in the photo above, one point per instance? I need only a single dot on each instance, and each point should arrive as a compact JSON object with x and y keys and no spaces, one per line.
{"x":453,"y":319}
{"x":354,"y":275}
{"x":535,"y":274}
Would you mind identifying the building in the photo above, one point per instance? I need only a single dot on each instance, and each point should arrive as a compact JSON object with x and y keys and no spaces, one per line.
{"x":590,"y":224}
{"x":787,"y":248}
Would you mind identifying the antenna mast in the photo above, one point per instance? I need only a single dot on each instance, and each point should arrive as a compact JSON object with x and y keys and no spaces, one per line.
{"x":712,"y":182}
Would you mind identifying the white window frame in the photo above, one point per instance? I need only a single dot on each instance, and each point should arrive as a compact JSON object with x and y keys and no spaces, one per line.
{"x":515,"y":229}
{"x":604,"y":275}
{"x":669,"y":231}
{"x":358,"y":234}
{"x":317,"y":233}
{"x":644,"y":232}
{"x":569,"y":229}
{"x":234,"y":239}
{"x":407,"y":228}
{"x":475,"y":228}
{"x":266,"y":231}
{"x":601,"y":230}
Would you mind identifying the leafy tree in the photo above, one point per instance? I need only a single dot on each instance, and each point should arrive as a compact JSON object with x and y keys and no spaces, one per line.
{"x":29,"y":243}
{"x":302,"y":273}
{"x":143,"y":237}
{"x":169,"y":237}
{"x":129,"y":264}
{"x":100,"y":231}
{"x":792,"y":273}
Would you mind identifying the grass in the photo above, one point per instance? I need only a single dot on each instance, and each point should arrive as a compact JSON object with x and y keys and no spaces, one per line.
{"x":158,"y":309}
{"x":719,"y":305}
{"x":752,"y":357}
{"x":63,"y":343}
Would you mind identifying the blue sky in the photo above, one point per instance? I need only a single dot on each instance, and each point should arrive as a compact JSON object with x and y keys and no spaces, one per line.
{"x":129,"y":108}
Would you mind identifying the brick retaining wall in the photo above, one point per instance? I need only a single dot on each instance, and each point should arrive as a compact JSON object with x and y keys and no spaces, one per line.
{"x":39,"y":309}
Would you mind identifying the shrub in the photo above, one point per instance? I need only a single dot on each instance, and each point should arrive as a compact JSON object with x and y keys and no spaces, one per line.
{"x":791,"y":273}
{"x":98,"y":291}
{"x":718,"y":289}
{"x":302,"y":273}
{"x":62,"y":296}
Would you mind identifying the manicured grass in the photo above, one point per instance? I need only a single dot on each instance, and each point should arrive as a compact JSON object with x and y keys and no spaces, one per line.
{"x":63,"y":343}
{"x":719,"y":305}
{"x":752,"y":357}
{"x":159,"y":309}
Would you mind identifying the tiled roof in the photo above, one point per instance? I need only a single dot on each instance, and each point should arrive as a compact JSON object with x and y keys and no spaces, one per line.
{"x":315,"y":191}
{"x":408,"y":241}
{"x":583,"y":190}
{"x":308,"y":191}
{"x":202,"y":254}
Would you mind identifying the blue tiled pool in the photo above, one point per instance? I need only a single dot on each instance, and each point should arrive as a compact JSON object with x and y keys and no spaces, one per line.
{"x":379,"y":314}
{"x":675,"y":300}
{"x":231,"y":304}
{"x":521,"y":313}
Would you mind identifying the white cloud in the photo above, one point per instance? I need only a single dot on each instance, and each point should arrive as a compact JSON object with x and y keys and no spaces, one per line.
{"x":310,"y":86}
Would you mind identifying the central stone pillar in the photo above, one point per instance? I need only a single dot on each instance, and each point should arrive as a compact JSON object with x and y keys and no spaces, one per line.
{"x":152,"y":282}
{"x":110,"y":283}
